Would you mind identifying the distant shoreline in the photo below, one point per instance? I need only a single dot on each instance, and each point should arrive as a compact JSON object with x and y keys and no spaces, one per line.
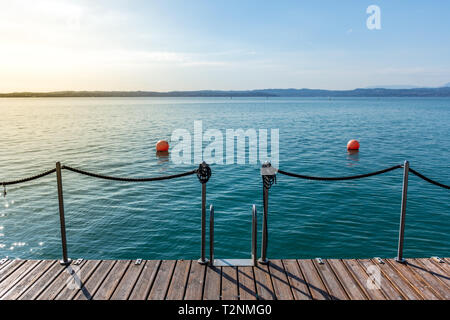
{"x":264,"y":93}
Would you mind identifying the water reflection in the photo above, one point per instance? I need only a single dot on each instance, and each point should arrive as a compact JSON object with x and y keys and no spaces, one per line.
{"x":163,"y":158}
{"x":353,"y":157}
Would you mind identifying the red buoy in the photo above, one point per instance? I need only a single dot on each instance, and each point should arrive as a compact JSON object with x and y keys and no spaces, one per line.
{"x":353,"y":145}
{"x":162,"y":146}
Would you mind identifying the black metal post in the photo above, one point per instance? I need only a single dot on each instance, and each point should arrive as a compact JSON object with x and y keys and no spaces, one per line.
{"x":254,"y":235}
{"x":203,"y":174}
{"x":265,"y":231}
{"x":401,"y":234}
{"x":211,"y":234}
{"x":269,"y":178}
{"x":65,"y":260}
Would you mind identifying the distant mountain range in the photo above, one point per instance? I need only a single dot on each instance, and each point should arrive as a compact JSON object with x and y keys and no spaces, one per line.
{"x":398,"y":86}
{"x":393,"y":87}
{"x":366,"y":92}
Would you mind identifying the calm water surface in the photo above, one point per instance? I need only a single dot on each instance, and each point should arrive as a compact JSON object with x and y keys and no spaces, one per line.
{"x":161,"y":220}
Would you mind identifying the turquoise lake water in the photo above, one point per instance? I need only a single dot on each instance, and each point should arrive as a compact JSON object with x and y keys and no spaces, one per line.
{"x":161,"y":220}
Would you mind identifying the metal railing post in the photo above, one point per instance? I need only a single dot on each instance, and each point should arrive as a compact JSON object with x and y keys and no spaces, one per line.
{"x":401,"y":234}
{"x":269,"y":178}
{"x":211,"y":234}
{"x":254,"y":235}
{"x":65,"y":260}
{"x":203,"y":174}
{"x":265,"y":232}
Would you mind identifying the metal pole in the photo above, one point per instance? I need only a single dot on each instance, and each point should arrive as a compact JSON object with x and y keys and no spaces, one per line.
{"x":254,"y":235}
{"x":401,"y":234}
{"x":211,"y":234}
{"x":65,"y":260}
{"x":265,"y":235}
{"x":203,"y":259}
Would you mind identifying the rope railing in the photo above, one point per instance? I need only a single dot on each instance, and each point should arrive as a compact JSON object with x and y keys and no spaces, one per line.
{"x":125,"y":179}
{"x":300,"y":176}
{"x":38,"y":176}
{"x":269,"y":177}
{"x":360,"y":176}
{"x":428,"y":179}
{"x":203,"y":173}
{"x":99,"y":176}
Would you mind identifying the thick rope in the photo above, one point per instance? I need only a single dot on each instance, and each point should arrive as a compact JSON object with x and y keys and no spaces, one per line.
{"x":96,"y":175}
{"x":340,"y":178}
{"x":428,"y":179}
{"x":41,"y":175}
{"x":203,"y":172}
{"x":269,"y":180}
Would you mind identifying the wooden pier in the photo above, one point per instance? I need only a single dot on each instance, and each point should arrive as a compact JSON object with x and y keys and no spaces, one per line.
{"x":335,"y":279}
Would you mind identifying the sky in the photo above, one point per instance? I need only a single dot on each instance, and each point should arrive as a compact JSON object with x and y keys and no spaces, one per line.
{"x":52,"y":45}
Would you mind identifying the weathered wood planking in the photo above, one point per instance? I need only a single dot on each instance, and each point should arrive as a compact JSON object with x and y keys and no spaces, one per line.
{"x":179,"y":280}
{"x":287,"y":279}
{"x":145,"y":281}
{"x":162,"y":280}
{"x":297,"y":281}
{"x":280,"y":281}
{"x":247,"y":285}
{"x":230,"y":287}
{"x":264,"y":286}
{"x":213,"y":278}
{"x":195,"y":283}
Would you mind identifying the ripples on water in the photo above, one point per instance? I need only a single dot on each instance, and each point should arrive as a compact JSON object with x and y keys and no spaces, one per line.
{"x":107,"y":219}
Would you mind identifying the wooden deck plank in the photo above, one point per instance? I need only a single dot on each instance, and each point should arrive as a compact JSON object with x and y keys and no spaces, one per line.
{"x":417,"y":282}
{"x":126,"y":285}
{"x":17,"y":275}
{"x":314,"y":281}
{"x":110,"y":283}
{"x":445,"y":266}
{"x":351,"y":286}
{"x":334,"y":287}
{"x":213,"y":279}
{"x":60,"y":282}
{"x":402,"y":286}
{"x":90,"y":287}
{"x":43,"y":282}
{"x":247,"y":285}
{"x":362,"y":278}
{"x":280,"y":281}
{"x":162,"y":280}
{"x":436,"y":271}
{"x":10,"y":268}
{"x":387,"y":287}
{"x":26,"y":282}
{"x":430,"y":279}
{"x":296,"y":280}
{"x":77,"y":279}
{"x":179,"y":280}
{"x":145,"y":281}
{"x":185,"y":279}
{"x":264,"y":286}
{"x":196,"y":280}
{"x":2,"y":266}
{"x":230,"y":287}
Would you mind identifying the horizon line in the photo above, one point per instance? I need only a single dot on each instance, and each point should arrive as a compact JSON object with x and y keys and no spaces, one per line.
{"x":387,"y":87}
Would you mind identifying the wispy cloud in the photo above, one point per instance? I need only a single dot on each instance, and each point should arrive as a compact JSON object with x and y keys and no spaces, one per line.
{"x":114,"y":44}
{"x":56,"y":22}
